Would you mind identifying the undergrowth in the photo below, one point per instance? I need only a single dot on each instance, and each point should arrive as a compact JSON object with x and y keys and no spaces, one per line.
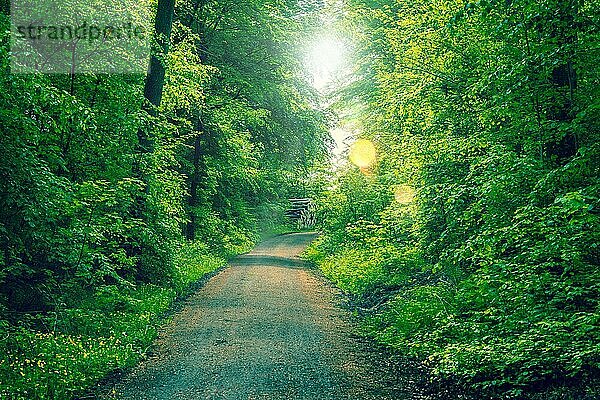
{"x":60,"y":354}
{"x":505,"y":306}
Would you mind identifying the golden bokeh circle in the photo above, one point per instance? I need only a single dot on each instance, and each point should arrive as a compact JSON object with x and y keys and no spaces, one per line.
{"x":362,"y":153}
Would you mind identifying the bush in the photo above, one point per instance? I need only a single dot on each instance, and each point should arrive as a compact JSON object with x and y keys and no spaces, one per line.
{"x":498,"y":292}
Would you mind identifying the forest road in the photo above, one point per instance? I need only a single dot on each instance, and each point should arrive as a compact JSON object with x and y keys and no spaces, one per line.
{"x":266,"y":327}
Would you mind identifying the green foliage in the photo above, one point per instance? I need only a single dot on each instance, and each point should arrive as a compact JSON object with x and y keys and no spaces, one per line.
{"x":63,"y":353}
{"x":485,"y":110}
{"x":353,"y":271}
{"x":82,"y":346}
{"x":47,"y":366}
{"x":193,"y":261}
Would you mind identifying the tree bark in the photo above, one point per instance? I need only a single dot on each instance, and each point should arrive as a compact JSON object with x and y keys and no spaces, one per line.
{"x":155,"y":79}
{"x":190,"y":231}
{"x":153,"y":88}
{"x":564,"y":78}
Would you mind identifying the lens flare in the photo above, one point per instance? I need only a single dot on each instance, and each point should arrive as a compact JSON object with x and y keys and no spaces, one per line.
{"x":325,"y":60}
{"x":404,"y":194}
{"x":362,"y":153}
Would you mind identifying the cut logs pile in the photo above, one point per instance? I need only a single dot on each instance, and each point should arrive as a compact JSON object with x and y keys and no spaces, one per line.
{"x":301,"y":211}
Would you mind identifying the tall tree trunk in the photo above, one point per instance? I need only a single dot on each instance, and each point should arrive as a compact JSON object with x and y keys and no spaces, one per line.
{"x":155,"y":80}
{"x":564,"y":78}
{"x":190,"y":231}
{"x":196,"y":24}
{"x":153,"y":89}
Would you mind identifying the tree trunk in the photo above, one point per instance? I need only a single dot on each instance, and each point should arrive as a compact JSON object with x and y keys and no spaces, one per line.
{"x":155,"y":80}
{"x":564,"y":78}
{"x":190,"y":231}
{"x":153,"y":89}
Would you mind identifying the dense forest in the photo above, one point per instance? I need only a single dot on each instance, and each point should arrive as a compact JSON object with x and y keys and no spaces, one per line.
{"x":462,"y":221}
{"x":466,"y":227}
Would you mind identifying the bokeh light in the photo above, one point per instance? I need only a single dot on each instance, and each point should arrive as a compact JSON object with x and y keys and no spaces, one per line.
{"x":362,"y":153}
{"x":404,"y":194}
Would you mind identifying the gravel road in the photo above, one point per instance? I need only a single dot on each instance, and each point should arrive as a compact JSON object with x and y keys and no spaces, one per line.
{"x":267,"y":327}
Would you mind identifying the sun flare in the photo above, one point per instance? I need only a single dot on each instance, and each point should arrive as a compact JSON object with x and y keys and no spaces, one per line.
{"x":325,"y":59}
{"x":404,"y":194}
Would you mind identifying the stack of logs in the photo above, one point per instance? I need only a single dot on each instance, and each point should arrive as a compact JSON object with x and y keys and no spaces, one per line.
{"x":302,"y":212}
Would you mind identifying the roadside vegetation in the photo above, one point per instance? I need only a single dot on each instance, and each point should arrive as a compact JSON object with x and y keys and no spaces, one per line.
{"x":63,"y":352}
{"x":470,"y":242}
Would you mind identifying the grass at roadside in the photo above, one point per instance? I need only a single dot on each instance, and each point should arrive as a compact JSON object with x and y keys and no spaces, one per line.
{"x":60,"y":354}
{"x":487,"y":354}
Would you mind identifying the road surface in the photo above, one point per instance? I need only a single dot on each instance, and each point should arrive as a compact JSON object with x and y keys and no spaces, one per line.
{"x":267,"y":327}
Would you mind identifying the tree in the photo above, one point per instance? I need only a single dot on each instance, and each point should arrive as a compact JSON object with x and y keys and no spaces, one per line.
{"x":153,"y":86}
